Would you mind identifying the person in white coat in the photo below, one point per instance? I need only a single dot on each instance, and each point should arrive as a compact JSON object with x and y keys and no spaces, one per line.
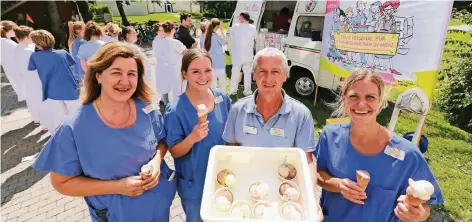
{"x":7,"y":60}
{"x":30,"y":79}
{"x":242,"y":36}
{"x":169,"y":62}
{"x":159,"y":30}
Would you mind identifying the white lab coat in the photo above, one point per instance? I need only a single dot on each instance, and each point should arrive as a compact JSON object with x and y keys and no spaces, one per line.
{"x":8,"y":61}
{"x":168,"y":52}
{"x":242,"y":36}
{"x":31,"y":84}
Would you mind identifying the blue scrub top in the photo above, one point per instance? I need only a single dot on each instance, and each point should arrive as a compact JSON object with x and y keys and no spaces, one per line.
{"x":84,"y":145}
{"x":389,"y":175}
{"x":87,"y":50}
{"x":75,"y":54}
{"x":216,"y":51}
{"x":54,"y":69}
{"x":180,"y":118}
{"x":291,"y":126}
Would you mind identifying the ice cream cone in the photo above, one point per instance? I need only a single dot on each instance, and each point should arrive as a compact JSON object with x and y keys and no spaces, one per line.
{"x":418,"y":192}
{"x":363,"y":178}
{"x":202,"y":113}
{"x":146,"y":171}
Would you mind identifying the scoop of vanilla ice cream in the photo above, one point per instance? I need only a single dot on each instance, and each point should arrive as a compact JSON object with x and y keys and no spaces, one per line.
{"x":222,"y":202}
{"x":292,"y":193}
{"x":230,"y":180}
{"x":202,"y":109}
{"x":421,"y":189}
{"x":263,"y":189}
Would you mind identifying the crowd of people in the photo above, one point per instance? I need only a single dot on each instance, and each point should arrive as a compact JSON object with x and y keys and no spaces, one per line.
{"x":100,"y":142}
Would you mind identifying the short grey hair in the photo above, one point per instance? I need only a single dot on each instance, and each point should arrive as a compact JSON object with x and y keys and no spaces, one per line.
{"x":271,"y":52}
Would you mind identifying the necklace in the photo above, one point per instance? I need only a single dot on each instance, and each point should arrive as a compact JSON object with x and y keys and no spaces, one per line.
{"x":103,"y":116}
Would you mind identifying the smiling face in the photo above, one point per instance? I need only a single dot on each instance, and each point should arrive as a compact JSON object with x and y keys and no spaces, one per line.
{"x":269,"y":75}
{"x":120,"y":80}
{"x":363,"y":101}
{"x":199,"y":73}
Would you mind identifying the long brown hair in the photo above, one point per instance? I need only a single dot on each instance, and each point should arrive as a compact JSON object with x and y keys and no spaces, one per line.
{"x":103,"y":59}
{"x":6,"y":26}
{"x":74,"y":27}
{"x":211,"y":26}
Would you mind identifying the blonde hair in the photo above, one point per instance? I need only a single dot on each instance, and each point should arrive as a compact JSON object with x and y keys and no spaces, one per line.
{"x":361,"y":74}
{"x":43,"y":39}
{"x":6,"y":26}
{"x":111,"y":29}
{"x":92,"y":29}
{"x":103,"y":59}
{"x":73,"y":28}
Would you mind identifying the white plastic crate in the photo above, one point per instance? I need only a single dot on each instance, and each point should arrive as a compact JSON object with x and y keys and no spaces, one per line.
{"x":250,"y":164}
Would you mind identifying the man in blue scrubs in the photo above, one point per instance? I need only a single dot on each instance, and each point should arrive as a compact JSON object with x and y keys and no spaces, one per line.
{"x":269,"y":117}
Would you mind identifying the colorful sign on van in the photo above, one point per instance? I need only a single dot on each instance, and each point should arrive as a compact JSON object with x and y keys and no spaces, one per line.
{"x":401,"y":40}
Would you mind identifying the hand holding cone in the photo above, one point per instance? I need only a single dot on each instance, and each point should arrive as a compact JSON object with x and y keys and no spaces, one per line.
{"x":202,"y":113}
{"x":146,"y":171}
{"x":418,"y":192}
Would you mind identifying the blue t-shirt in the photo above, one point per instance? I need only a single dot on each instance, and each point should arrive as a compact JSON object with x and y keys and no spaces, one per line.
{"x":388,"y":175}
{"x":55,"y":72}
{"x":87,"y":50}
{"x":180,"y":118}
{"x":75,"y":54}
{"x":84,"y":145}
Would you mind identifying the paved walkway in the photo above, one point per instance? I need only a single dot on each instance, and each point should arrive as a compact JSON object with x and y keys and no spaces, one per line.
{"x":26,"y":194}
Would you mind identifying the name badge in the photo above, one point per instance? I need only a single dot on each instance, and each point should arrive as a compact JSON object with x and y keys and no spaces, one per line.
{"x":250,"y":130}
{"x":277,"y":132}
{"x":149,"y":108}
{"x":395,"y":153}
{"x":218,"y":99}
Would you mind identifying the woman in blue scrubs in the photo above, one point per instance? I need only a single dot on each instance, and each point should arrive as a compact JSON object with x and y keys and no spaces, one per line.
{"x":93,"y":34}
{"x":76,"y":39}
{"x":98,"y":152}
{"x":363,"y":144}
{"x":190,"y":141}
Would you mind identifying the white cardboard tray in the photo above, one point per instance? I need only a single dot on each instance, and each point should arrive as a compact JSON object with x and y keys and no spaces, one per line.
{"x":254,"y":163}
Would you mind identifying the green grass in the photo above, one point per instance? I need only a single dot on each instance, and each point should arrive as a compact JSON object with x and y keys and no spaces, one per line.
{"x":454,"y":22}
{"x":449,"y":152}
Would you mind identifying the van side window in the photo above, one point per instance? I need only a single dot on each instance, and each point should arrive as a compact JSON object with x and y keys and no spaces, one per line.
{"x":306,"y":25}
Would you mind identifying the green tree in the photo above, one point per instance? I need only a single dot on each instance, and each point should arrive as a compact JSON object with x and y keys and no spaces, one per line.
{"x":222,"y":9}
{"x":119,"y":5}
{"x":84,"y":10}
{"x":56,"y":24}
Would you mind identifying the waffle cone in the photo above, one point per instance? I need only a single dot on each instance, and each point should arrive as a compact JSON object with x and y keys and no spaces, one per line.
{"x":362,"y":181}
{"x":414,"y":201}
{"x":202,"y":118}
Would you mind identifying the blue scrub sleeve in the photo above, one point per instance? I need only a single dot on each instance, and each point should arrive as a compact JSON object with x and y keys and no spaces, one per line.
{"x":31,"y":64}
{"x":229,"y":134}
{"x":70,"y":60}
{"x":424,"y":173}
{"x":81,"y":52}
{"x":160,"y":131}
{"x":305,"y":138}
{"x":321,"y":152}
{"x":174,"y":128}
{"x":60,"y":154}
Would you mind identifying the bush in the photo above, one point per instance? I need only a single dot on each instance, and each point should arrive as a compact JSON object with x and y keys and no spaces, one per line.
{"x":463,"y":16}
{"x":99,"y":9}
{"x":454,"y":95}
{"x":209,"y":15}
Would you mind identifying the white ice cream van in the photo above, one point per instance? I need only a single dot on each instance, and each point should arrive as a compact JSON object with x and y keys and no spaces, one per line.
{"x":301,"y":41}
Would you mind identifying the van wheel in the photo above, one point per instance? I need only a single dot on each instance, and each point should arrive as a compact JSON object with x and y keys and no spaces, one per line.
{"x":302,"y":84}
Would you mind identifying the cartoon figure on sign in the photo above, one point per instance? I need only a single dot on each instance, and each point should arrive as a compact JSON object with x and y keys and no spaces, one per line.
{"x":339,"y":21}
{"x":374,"y":16}
{"x":349,"y":27}
{"x":359,"y":24}
{"x":310,"y":5}
{"x":387,"y":24}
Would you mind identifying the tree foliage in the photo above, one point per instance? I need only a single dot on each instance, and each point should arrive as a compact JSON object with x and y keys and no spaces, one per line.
{"x":221,"y":9}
